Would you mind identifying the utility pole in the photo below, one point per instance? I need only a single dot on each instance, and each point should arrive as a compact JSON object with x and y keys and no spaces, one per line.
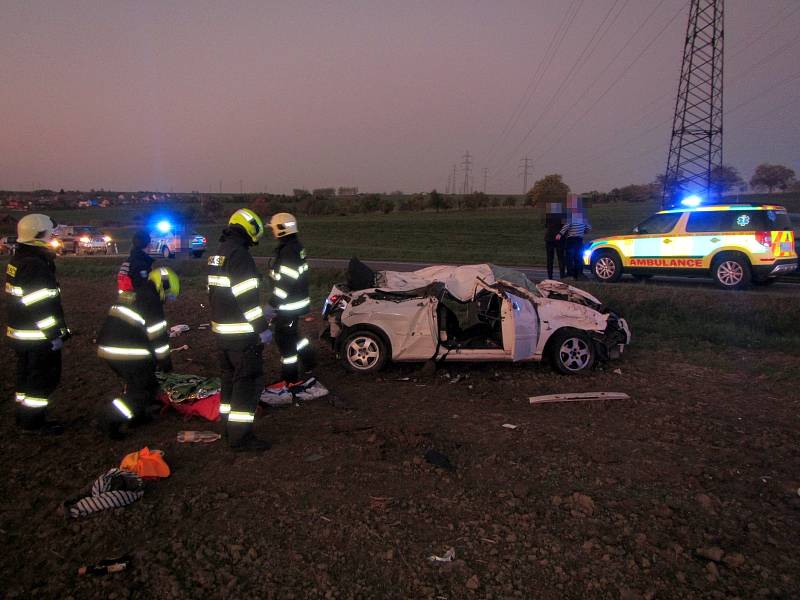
{"x":525,"y":164}
{"x":466,"y":163}
{"x":453,"y":187}
{"x":696,"y":144}
{"x":220,"y":186}
{"x":241,"y":187}
{"x":485,"y":177}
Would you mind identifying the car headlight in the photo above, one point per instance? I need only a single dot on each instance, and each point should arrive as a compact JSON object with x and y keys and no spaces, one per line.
{"x":55,"y":243}
{"x":106,"y":238}
{"x":84,"y":240}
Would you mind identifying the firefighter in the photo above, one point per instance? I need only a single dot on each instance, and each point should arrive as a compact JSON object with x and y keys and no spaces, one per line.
{"x":36,"y":327}
{"x":241,"y":327}
{"x":134,"y":342}
{"x":289,"y":298}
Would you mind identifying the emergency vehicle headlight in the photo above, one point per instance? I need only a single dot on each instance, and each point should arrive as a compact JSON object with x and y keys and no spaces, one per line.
{"x":55,"y":243}
{"x":85,"y":239}
{"x":106,"y":238}
{"x":692,"y":201}
{"x":164,"y":226}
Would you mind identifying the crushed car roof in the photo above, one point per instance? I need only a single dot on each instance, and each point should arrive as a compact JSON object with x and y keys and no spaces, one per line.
{"x":459,"y":281}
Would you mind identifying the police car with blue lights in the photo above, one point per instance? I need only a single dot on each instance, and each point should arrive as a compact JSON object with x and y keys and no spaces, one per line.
{"x":169,"y":238}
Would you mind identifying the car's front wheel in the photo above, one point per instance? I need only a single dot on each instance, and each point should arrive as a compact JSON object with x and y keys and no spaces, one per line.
{"x":572,"y":352}
{"x":607,"y":267}
{"x":731,"y":272}
{"x":364,"y":352}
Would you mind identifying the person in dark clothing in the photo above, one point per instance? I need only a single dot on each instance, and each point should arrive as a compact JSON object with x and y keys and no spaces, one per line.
{"x":289,"y":297}
{"x":134,"y":342}
{"x":134,"y":271}
{"x":241,"y":327}
{"x":36,"y":329}
{"x":554,"y":246}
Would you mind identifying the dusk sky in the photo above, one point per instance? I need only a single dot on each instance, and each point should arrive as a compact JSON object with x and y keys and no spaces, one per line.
{"x":381,"y":95}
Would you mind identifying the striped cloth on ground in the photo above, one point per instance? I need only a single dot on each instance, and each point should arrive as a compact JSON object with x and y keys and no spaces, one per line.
{"x":115,"y":489}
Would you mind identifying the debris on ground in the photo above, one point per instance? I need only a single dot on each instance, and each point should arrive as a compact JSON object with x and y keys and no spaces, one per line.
{"x":176,"y":330}
{"x":618,"y":371}
{"x":313,"y":457}
{"x":280,"y":394}
{"x":106,"y":567}
{"x":446,"y":557}
{"x":114,"y":489}
{"x":578,"y":397}
{"x":510,"y":426}
{"x":190,"y":395}
{"x":204,"y":326}
{"x":438,"y":459}
{"x":146,"y":463}
{"x":200,"y":437}
{"x":179,"y":348}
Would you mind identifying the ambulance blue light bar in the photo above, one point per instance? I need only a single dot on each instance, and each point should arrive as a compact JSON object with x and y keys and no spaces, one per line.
{"x":692,"y":201}
{"x":164,"y":226}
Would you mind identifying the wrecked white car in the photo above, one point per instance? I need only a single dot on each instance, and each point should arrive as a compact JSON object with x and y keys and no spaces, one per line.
{"x":467,"y":313}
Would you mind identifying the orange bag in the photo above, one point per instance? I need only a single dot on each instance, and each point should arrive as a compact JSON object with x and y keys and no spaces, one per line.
{"x":146,"y":463}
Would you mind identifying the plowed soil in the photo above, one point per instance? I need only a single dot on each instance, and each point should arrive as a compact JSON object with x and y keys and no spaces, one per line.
{"x":687,"y":490}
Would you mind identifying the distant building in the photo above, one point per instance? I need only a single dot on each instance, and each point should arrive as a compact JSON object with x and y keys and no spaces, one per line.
{"x":325,"y":192}
{"x":348,"y":191}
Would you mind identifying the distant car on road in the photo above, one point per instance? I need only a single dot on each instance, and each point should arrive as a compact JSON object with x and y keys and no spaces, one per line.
{"x":8,"y":244}
{"x":82,"y":239}
{"x":475,"y":313}
{"x":735,"y":244}
{"x":168,"y":240}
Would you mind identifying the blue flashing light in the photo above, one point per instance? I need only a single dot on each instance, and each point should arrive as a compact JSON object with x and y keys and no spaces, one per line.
{"x":164,"y":226}
{"x":692,"y":201}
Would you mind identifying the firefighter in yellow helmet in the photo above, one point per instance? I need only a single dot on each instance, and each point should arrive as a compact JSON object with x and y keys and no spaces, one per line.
{"x":289,"y":298}
{"x":241,"y":327}
{"x":36,"y":330}
{"x":134,"y":342}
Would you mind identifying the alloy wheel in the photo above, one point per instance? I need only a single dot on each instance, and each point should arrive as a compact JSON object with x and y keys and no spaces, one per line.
{"x":575,"y":354}
{"x":730,"y":273}
{"x":363,"y":353}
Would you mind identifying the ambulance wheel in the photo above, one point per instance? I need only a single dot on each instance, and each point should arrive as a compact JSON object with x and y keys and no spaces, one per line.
{"x":731,"y":271}
{"x":572,"y":351}
{"x":606,"y":266}
{"x":364,"y":352}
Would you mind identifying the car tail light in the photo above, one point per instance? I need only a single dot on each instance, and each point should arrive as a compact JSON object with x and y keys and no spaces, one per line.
{"x":764,"y":238}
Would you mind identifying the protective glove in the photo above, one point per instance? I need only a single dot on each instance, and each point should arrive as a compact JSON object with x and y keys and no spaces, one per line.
{"x":165,"y":365}
{"x":265,"y":337}
{"x":57,"y":344}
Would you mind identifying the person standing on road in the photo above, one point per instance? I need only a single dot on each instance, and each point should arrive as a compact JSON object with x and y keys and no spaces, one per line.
{"x":573,"y":232}
{"x":554,"y":245}
{"x":134,"y":342}
{"x":36,"y":328}
{"x":289,"y":298}
{"x":241,"y":327}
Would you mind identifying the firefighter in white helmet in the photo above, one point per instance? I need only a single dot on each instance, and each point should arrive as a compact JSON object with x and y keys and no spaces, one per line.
{"x":289,"y":298}
{"x":36,"y":328}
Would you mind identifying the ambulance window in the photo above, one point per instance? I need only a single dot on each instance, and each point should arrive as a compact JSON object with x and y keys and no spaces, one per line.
{"x":705,"y":221}
{"x":663,"y":223}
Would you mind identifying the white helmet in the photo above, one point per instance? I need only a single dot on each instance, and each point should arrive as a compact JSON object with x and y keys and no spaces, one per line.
{"x":35,"y":229}
{"x":283,"y":224}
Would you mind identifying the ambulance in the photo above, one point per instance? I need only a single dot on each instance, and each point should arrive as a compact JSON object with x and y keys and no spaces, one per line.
{"x":735,"y":244}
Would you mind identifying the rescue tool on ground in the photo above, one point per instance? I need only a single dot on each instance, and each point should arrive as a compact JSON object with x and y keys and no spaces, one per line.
{"x":735,"y":244}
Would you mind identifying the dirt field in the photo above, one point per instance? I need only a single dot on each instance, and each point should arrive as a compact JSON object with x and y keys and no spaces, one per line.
{"x":688,"y":490}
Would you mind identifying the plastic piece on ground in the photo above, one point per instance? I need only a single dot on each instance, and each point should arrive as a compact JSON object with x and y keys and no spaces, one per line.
{"x":176,"y":330}
{"x":201,"y":437}
{"x":446,"y":557}
{"x":510,"y":426}
{"x":179,"y":348}
{"x":107,"y":566}
{"x":146,"y":463}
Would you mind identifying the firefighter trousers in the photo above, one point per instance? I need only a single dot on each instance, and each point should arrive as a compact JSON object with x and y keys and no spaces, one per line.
{"x":38,"y":375}
{"x":242,"y":384}
{"x":293,"y":348}
{"x":140,"y":391}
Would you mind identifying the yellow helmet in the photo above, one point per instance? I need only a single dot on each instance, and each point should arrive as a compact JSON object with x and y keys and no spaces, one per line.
{"x":283,"y":224}
{"x":166,"y":281}
{"x":35,"y":229}
{"x":249,"y":221}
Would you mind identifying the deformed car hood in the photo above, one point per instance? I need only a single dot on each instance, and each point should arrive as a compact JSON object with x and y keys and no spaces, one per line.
{"x":550,"y":288}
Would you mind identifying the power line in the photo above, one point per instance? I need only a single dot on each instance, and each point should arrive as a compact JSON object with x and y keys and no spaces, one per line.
{"x":544,"y":64}
{"x":576,"y":66}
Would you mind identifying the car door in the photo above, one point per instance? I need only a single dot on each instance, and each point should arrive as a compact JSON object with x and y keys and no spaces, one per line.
{"x":520,"y":327}
{"x":655,"y":242}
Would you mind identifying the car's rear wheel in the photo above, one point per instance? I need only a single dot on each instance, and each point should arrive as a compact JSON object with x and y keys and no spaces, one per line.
{"x":731,"y":272}
{"x":607,"y":267}
{"x":364,"y":352}
{"x":572,"y":352}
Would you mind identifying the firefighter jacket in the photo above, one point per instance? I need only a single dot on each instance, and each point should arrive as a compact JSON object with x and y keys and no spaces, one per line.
{"x":233,"y":282}
{"x":33,"y":298}
{"x":136,"y":331}
{"x":289,"y":274}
